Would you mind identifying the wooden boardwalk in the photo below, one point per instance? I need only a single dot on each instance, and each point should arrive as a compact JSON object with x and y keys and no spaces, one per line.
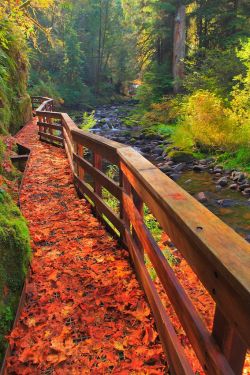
{"x":85,"y":312}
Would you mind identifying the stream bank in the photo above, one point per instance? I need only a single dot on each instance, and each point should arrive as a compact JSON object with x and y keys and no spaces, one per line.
{"x":224,"y":192}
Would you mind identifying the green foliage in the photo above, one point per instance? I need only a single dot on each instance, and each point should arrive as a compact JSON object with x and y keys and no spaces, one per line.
{"x":157,"y":81}
{"x":215,"y":73}
{"x":88,"y":121}
{"x":152,"y":224}
{"x":15,"y":108}
{"x":15,"y":256}
{"x":240,"y":158}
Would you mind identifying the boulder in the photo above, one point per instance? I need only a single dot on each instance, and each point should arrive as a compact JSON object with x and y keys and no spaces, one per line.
{"x":233,"y":186}
{"x":223,"y":181}
{"x":201,"y":197}
{"x":225,"y":202}
{"x":246,"y":191}
{"x":174,"y":176}
{"x":179,"y":167}
{"x":166,"y":168}
{"x":181,"y":156}
{"x":198,"y":168}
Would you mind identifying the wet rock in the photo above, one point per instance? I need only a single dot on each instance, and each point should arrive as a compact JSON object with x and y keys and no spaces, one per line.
{"x":225,"y":202}
{"x":246,"y":191}
{"x":159,"y":158}
{"x":218,"y":170}
{"x":166,"y":168}
{"x":222,"y":181}
{"x":146,"y":149}
{"x":201,"y":197}
{"x":158,"y":150}
{"x":248,"y":238}
{"x":174,"y":176}
{"x":181,"y":156}
{"x":179,"y":167}
{"x":218,"y":187}
{"x":238,"y":176}
{"x":198,"y":168}
{"x":244,"y":186}
{"x":233,"y":186}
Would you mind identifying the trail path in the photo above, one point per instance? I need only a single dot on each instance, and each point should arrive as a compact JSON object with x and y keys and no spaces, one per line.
{"x":85,"y":312}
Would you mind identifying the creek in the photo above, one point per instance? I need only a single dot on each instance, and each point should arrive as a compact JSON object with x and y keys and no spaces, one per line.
{"x":229,"y":205}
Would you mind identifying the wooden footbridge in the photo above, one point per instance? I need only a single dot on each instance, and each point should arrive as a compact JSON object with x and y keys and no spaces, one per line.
{"x":219,"y":257}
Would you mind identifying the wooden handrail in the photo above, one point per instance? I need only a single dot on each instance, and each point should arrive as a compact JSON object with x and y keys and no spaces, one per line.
{"x":217,"y":254}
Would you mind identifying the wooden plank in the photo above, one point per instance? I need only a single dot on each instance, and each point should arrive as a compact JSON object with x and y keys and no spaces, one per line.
{"x":229,"y":342}
{"x":211,"y":358}
{"x":219,"y":256}
{"x":51,"y":137}
{"x":100,"y":204}
{"x":104,"y":180}
{"x":50,"y":126}
{"x":105,"y":147}
{"x":174,"y":351}
{"x":68,"y":123}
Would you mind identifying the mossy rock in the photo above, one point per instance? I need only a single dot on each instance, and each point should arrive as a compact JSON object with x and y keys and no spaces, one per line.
{"x":181,"y":156}
{"x":22,"y":113}
{"x":14,"y":260}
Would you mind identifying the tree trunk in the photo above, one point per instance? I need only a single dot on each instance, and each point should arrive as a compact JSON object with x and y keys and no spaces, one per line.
{"x":179,"y":47}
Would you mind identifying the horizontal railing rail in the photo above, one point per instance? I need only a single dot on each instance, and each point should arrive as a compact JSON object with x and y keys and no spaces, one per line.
{"x":218,"y":255}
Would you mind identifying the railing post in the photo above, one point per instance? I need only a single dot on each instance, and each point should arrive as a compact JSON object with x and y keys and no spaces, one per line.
{"x":139,"y":206}
{"x":127,"y":189}
{"x":80,"y":170}
{"x":97,"y":163}
{"x":229,"y":341}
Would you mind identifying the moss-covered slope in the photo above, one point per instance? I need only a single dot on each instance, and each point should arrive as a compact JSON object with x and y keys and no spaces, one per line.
{"x":15,"y":110}
{"x":14,"y":259}
{"x":15,"y":104}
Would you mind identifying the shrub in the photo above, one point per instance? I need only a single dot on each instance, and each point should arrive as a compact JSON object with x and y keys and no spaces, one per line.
{"x":88,"y":121}
{"x":206,"y":122}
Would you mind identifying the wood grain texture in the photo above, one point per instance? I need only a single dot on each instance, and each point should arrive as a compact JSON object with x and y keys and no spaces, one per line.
{"x":211,"y":358}
{"x":175,"y":353}
{"x":218,"y":255}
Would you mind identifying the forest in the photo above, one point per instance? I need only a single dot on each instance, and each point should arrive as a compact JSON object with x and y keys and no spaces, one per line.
{"x":87,"y":53}
{"x":171,"y":78}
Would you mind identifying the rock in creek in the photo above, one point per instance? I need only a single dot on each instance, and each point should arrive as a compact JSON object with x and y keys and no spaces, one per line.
{"x":201,"y":197}
{"x":223,"y":181}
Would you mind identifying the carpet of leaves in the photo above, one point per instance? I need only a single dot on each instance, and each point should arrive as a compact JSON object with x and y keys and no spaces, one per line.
{"x":85,"y":312}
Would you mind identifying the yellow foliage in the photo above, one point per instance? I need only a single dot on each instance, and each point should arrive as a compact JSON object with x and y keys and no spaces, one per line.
{"x":164,"y":112}
{"x":207,"y":122}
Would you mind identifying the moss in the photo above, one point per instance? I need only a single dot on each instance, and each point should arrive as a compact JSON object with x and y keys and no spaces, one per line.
{"x":15,"y":255}
{"x":181,"y":156}
{"x":15,"y":104}
{"x":22,"y":113}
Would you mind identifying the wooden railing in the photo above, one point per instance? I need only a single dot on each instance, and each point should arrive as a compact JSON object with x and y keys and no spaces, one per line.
{"x":219,"y":257}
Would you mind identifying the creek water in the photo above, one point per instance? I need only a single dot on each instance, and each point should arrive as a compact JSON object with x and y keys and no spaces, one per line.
{"x":230,"y":206}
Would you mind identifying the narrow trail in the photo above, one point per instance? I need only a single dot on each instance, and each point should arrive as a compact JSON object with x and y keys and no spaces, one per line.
{"x":85,"y":312}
